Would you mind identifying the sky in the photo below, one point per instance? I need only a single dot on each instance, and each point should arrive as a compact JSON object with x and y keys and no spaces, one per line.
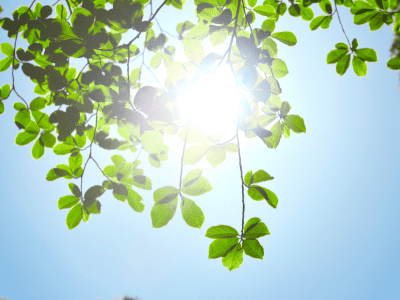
{"x":334,"y":233}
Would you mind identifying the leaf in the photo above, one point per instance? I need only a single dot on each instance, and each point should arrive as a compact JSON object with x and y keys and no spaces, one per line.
{"x":354,"y":44}
{"x":192,"y":177}
{"x":195,"y":153}
{"x":94,"y":192}
{"x":252,"y":3}
{"x":261,"y":176}
{"x":343,"y":65}
{"x":216,"y":155}
{"x":316,"y":22}
{"x":259,"y":193}
{"x":24,"y":138}
{"x":221,"y":231}
{"x":37,"y":103}
{"x":199,"y":187}
{"x":5,"y":91}
{"x":1,"y":107}
{"x":335,"y":55}
{"x":295,"y":123}
{"x":37,"y":150}
{"x":394,"y":63}
{"x":218,"y":37}
{"x":359,"y":66}
{"x":285,"y":37}
{"x":156,"y":60}
{"x":61,"y":11}
{"x":342,"y":46}
{"x":279,"y":68}
{"x":95,"y":208}
{"x":233,"y":259}
{"x":7,"y":49}
{"x":273,"y":141}
{"x":74,"y":189}
{"x":248,"y":178}
{"x":142,"y":182}
{"x":253,"y":248}
{"x":75,"y":161}
{"x":194,"y":50}
{"x":74,"y":216}
{"x":367,"y":54}
{"x":134,"y":201}
{"x":220,"y":247}
{"x":166,"y":199}
{"x":376,"y":22}
{"x":63,"y":149}
{"x":152,"y":141}
{"x":265,"y":10}
{"x":257,"y":231}
{"x":67,"y":201}
{"x":191,"y":213}
{"x":251,"y":222}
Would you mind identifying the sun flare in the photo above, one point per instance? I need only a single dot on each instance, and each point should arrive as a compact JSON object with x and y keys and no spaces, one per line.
{"x":212,"y":102}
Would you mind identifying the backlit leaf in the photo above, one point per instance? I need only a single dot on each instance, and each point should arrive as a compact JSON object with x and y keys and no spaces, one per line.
{"x":191,"y":213}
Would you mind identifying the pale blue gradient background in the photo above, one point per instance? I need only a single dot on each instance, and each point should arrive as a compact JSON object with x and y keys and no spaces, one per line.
{"x":334,"y":234}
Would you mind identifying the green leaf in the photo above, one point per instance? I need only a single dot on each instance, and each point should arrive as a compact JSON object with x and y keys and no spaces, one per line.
{"x":221,"y":231}
{"x":326,"y":6}
{"x":74,"y":189}
{"x":56,"y":173}
{"x":376,"y":22}
{"x":5,"y":63}
{"x":216,"y":155}
{"x":354,"y":44}
{"x":142,"y":182}
{"x":268,"y":25}
{"x":359,"y":66}
{"x":367,"y":54}
{"x":194,"y":50}
{"x":1,"y":107}
{"x":220,"y":247}
{"x":252,"y":3}
{"x":342,"y":46}
{"x":218,"y":37}
{"x":192,"y":177}
{"x":295,"y":123}
{"x":265,"y":10}
{"x":195,"y":153}
{"x":285,"y":37}
{"x":335,"y":55}
{"x":234,"y":258}
{"x":94,"y":192}
{"x":95,"y":208}
{"x":343,"y":65}
{"x":316,"y":22}
{"x":258,"y":193}
{"x":394,"y":63}
{"x":258,"y":230}
{"x":7,"y":49}
{"x":307,"y":14}
{"x":23,"y":117}
{"x":152,"y":141}
{"x":253,"y":248}
{"x":166,"y":201}
{"x":67,"y":201}
{"x":38,"y":103}
{"x":74,"y":216}
{"x":5,"y":91}
{"x":251,"y":222}
{"x":24,"y":138}
{"x":199,"y":187}
{"x":155,"y":61}
{"x":37,"y":150}
{"x":261,"y":176}
{"x":279,"y":68}
{"x":63,"y":149}
{"x":191,"y":213}
{"x":273,"y":141}
{"x":134,"y":201}
{"x":325,"y":23}
{"x":75,"y":161}
{"x":61,"y":11}
{"x":248,"y":178}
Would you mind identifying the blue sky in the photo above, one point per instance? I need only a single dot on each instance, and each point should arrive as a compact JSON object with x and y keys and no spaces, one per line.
{"x":334,"y":234}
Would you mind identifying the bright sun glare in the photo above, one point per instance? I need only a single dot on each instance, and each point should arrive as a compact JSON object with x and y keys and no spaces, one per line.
{"x":212,"y":102}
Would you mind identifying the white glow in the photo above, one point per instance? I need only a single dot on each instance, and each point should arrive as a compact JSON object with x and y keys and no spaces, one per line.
{"x":212,"y":102}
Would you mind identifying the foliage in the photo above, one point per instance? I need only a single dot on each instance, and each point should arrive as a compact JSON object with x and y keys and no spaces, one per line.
{"x":92,"y":31}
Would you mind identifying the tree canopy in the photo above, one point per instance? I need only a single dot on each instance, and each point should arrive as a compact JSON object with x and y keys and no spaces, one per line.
{"x":110,"y":92}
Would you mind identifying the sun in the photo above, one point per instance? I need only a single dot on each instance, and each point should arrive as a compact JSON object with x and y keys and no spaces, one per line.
{"x":212,"y":102}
